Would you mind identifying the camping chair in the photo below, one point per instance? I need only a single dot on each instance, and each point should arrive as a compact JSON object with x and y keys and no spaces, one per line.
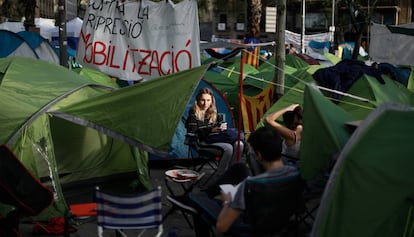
{"x":21,"y":190}
{"x":202,"y":154}
{"x":273,"y":206}
{"x":129,"y":211}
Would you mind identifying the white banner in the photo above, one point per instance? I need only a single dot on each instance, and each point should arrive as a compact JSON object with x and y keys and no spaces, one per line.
{"x":139,"y":40}
{"x":296,"y":39}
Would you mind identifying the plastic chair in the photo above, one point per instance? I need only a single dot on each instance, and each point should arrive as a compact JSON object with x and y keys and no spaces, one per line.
{"x":140,"y":211}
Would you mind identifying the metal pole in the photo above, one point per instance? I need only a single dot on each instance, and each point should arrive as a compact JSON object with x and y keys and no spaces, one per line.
{"x":333,"y":13}
{"x":332,"y":28}
{"x":303,"y":26}
{"x":280,"y":57}
{"x":63,"y":59}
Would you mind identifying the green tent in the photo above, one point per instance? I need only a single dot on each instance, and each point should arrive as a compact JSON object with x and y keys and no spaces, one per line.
{"x":294,"y":92}
{"x":51,"y":149}
{"x":332,"y":58}
{"x":371,"y":94}
{"x":370,"y":190}
{"x":149,"y":114}
{"x":96,"y":76}
{"x":36,"y":95}
{"x":324,"y":133}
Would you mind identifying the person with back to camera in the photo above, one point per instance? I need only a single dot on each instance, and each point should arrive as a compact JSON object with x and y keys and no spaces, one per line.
{"x":266,"y":144}
{"x":292,"y":133}
{"x":203,"y":120}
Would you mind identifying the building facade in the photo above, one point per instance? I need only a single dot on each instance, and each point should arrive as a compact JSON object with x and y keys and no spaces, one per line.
{"x":227,"y":18}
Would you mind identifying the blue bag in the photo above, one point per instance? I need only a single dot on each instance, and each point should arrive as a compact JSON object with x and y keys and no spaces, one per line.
{"x":227,"y":136}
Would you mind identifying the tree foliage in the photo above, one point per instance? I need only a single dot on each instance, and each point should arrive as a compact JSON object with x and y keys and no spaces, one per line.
{"x":13,"y":10}
{"x":360,"y":20}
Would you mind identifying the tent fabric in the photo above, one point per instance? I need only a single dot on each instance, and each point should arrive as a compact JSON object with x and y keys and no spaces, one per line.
{"x":153,"y":126}
{"x":374,"y":94}
{"x":97,"y":76}
{"x":342,"y":75}
{"x":19,"y":188}
{"x":41,"y":46}
{"x":325,"y":121}
{"x":12,"y":44}
{"x":294,"y":60}
{"x":369,"y":192}
{"x":295,"y":84}
{"x":332,"y":58}
{"x":26,"y":44}
{"x":217,"y":55}
{"x":73,"y":29}
{"x":54,"y":150}
{"x":401,"y":48}
{"x":396,"y":73}
{"x":178,"y":149}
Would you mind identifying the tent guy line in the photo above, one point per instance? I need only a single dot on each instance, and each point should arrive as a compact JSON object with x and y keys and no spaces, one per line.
{"x":301,"y":91}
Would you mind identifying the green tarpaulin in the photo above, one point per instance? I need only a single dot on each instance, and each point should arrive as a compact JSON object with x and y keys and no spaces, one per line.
{"x":370,"y":190}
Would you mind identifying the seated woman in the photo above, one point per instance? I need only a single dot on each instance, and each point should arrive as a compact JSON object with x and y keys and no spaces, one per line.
{"x":292,"y":133}
{"x":203,"y":119}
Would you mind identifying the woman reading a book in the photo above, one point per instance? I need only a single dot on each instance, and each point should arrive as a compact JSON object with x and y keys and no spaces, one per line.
{"x":203,"y":119}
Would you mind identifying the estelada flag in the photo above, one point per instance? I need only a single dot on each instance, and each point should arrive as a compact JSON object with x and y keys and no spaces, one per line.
{"x":254,"y":107}
{"x":252,"y":54}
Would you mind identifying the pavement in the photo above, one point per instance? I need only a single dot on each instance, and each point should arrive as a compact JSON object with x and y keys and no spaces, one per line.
{"x":175,"y":225}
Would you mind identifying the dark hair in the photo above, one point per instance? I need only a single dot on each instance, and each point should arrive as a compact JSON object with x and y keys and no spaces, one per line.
{"x":268,"y":142}
{"x":293,"y":118}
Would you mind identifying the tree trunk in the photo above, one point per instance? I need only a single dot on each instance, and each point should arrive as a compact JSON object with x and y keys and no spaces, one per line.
{"x":360,"y":20}
{"x":29,"y":13}
{"x":254,"y":16}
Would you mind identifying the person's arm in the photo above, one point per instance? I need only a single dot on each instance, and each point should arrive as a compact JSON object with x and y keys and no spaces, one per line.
{"x":191,"y":123}
{"x":285,"y":132}
{"x":227,"y":216}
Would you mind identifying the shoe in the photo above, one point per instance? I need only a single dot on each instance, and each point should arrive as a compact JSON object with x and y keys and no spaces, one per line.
{"x":182,"y":202}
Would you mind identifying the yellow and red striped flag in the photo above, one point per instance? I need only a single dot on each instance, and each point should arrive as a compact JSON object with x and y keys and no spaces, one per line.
{"x":254,"y":107}
{"x":252,"y":53}
{"x":252,"y":56}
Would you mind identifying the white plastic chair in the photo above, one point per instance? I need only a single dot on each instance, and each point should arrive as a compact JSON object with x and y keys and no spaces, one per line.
{"x":129,"y":211}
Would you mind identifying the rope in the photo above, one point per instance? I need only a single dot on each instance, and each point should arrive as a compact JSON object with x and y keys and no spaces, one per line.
{"x":304,"y":82}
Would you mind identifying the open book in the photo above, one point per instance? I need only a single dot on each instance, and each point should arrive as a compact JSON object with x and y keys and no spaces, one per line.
{"x":229,"y":188}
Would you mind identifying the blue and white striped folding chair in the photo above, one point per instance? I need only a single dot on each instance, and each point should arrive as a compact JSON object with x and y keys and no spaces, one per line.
{"x":137,"y":211}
